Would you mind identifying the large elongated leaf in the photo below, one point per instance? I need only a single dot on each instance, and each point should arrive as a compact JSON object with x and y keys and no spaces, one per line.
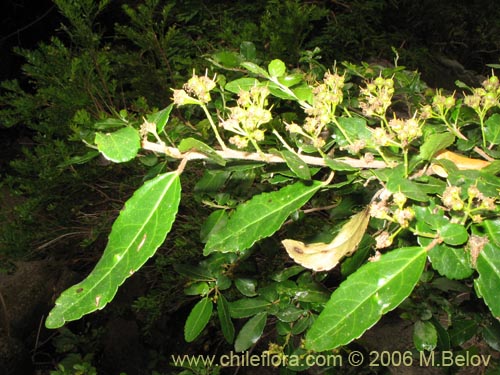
{"x":138,"y":231}
{"x":366,"y":295}
{"x":260,"y":217}
{"x":488,"y":282}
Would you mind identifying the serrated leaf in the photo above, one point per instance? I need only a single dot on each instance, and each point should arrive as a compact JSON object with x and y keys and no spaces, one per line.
{"x":198,"y":319}
{"x":250,"y":333}
{"x":191,"y":144}
{"x":244,"y":84}
{"x":138,"y":231}
{"x":246,"y":307}
{"x":225,"y":319}
{"x":260,"y":217}
{"x":424,"y":336}
{"x":450,"y":262}
{"x":434,"y":143}
{"x":325,"y":256}
{"x":296,"y":164}
{"x":362,"y":299}
{"x":487,"y":284}
{"x":119,"y":146}
{"x":254,"y":68}
{"x":276,"y":68}
{"x":160,"y":118}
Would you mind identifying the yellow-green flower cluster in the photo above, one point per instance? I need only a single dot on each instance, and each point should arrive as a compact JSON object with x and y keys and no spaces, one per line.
{"x":327,"y":95}
{"x":376,"y":97}
{"x":405,"y":130}
{"x":392,"y":211}
{"x":195,"y":91}
{"x":472,"y":205}
{"x":486,"y":97}
{"x":248,"y":116}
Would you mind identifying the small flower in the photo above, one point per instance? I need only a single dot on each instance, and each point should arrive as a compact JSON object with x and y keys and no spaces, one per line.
{"x":381,"y":137}
{"x":399,"y":198}
{"x":488,"y":203}
{"x":379,"y":210}
{"x":451,"y":198}
{"x":181,"y":97}
{"x":293,"y":128}
{"x":383,"y":240}
{"x":238,"y":141}
{"x":404,"y":216}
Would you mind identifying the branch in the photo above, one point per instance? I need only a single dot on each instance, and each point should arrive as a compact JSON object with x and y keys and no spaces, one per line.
{"x":269,"y":158}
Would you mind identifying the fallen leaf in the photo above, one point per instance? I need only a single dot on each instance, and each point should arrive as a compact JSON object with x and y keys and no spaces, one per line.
{"x":325,"y":256}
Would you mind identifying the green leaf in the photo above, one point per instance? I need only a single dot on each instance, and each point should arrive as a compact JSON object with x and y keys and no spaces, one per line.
{"x":254,"y":68}
{"x":355,"y":128}
{"x":450,"y":262}
{"x":424,"y":336}
{"x":487,"y":284}
{"x":336,"y":165}
{"x":226,"y":59}
{"x":245,"y":307}
{"x":110,"y":123}
{"x":304,"y":93}
{"x":493,"y":229}
{"x":138,"y":231}
{"x":492,"y":129}
{"x":260,"y":217}
{"x":200,"y":288}
{"x":250,"y":333}
{"x":225,"y":318}
{"x":491,"y":334}
{"x":191,"y":144}
{"x":160,"y":118}
{"x":248,"y":50}
{"x":244,"y":84}
{"x":215,"y":221}
{"x":453,"y":234}
{"x":361,"y":300}
{"x":289,"y":314}
{"x":198,"y":319}
{"x":119,"y":146}
{"x":246,"y":286}
{"x":286,"y":273}
{"x":296,"y":164}
{"x":291,"y":80}
{"x":276,"y":68}
{"x":79,"y":159}
{"x":434,"y":143}
{"x":398,"y":183}
{"x":462,"y":330}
